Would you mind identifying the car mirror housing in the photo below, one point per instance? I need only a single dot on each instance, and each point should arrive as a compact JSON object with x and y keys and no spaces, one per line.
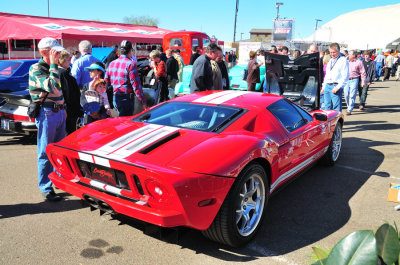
{"x":320,"y":117}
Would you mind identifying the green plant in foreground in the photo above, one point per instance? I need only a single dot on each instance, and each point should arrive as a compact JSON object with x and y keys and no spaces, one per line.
{"x":363,"y":248}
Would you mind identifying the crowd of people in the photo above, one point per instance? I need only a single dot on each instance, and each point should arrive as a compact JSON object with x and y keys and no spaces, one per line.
{"x":354,"y":71}
{"x":69,"y":86}
{"x":343,"y":74}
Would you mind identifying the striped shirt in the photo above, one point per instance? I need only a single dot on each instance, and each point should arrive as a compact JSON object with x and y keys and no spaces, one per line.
{"x":122,"y":74}
{"x":44,"y":78}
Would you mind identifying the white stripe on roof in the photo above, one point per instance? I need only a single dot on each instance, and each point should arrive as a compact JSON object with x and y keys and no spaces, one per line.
{"x":212,"y":96}
{"x":227,"y":97}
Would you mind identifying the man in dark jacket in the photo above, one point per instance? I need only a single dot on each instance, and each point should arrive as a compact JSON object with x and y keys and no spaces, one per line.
{"x":202,"y":76}
{"x":225,"y":77}
{"x":172,"y":70}
{"x":70,"y":91}
{"x":163,"y":56}
{"x":112,"y":56}
{"x":369,"y":66}
{"x":195,"y":54}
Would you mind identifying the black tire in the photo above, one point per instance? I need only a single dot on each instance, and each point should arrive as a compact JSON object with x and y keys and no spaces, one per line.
{"x":332,"y":155}
{"x":78,"y":123}
{"x":228,"y":226}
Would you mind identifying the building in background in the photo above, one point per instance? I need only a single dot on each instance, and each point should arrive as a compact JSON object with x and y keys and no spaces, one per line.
{"x":261,"y":35}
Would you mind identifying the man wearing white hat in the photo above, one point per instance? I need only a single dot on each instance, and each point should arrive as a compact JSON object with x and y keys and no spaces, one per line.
{"x":44,"y":89}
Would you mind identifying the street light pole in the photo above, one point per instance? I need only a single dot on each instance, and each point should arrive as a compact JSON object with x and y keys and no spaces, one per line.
{"x":48,"y":8}
{"x":316,"y":27}
{"x":234,"y":29}
{"x":277,"y":4}
{"x":316,"y":23}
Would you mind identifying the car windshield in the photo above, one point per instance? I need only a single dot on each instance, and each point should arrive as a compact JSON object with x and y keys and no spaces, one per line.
{"x":7,"y":68}
{"x":191,"y":116}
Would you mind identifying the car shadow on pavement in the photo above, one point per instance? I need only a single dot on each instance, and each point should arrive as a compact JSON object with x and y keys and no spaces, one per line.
{"x":382,"y":108}
{"x":312,"y":207}
{"x":15,"y":210}
{"x":15,"y":139}
{"x":382,"y":126}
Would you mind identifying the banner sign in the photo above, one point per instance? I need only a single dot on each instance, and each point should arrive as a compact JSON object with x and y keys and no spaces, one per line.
{"x":282,"y":29}
{"x":52,"y":26}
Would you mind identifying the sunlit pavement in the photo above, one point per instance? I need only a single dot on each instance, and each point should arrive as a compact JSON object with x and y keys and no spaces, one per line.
{"x":319,"y":208}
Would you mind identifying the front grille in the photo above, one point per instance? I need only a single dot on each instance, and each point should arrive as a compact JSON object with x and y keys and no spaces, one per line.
{"x":110,"y":176}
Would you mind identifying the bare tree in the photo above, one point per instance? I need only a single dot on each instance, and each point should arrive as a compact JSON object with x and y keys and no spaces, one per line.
{"x":142,"y":20}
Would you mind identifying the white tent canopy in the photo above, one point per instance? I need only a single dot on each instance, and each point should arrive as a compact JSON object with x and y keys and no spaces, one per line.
{"x":362,"y":29}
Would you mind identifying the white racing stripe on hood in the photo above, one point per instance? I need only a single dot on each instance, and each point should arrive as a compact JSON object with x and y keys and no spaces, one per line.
{"x":126,"y":139}
{"x":227,"y":97}
{"x":132,"y":142}
{"x":143,"y":142}
{"x":212,"y":96}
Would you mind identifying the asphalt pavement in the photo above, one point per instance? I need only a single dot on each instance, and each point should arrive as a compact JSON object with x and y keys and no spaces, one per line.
{"x":319,"y":208}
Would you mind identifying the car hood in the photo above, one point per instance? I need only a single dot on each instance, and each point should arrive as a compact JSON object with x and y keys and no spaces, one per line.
{"x":153,"y":146}
{"x":297,"y":79}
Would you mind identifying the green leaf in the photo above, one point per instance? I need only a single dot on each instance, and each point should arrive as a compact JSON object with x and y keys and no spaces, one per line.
{"x":358,"y":248}
{"x":397,"y":230}
{"x":320,"y":253}
{"x":388,"y":244}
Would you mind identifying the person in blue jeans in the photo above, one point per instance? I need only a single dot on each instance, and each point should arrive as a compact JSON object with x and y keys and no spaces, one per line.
{"x":336,"y":77}
{"x":44,"y":89}
{"x":379,"y":63}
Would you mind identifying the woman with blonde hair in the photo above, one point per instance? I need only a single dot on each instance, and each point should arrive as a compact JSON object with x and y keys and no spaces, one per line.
{"x":70,"y":91}
{"x":325,"y":61}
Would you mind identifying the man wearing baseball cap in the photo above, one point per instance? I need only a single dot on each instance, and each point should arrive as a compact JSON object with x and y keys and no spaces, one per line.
{"x":123,"y":76}
{"x":44,"y":88}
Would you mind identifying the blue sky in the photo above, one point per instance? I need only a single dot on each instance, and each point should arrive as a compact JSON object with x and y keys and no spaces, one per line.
{"x":215,"y":17}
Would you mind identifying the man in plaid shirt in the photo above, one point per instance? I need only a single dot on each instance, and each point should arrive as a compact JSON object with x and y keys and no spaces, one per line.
{"x":122,"y":74}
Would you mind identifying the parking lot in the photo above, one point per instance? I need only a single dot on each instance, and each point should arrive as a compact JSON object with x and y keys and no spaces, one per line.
{"x":319,"y":208}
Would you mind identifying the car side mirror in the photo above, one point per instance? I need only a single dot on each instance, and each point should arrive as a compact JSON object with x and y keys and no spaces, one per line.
{"x":320,"y":117}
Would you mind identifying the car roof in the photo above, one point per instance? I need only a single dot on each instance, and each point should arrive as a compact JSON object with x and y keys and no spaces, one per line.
{"x":234,"y":98}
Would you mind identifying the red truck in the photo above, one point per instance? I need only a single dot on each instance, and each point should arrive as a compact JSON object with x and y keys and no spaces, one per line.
{"x":184,"y":41}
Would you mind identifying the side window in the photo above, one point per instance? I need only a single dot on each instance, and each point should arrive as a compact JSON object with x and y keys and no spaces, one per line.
{"x":195,"y":42}
{"x":206,"y":42}
{"x":304,"y":113}
{"x":287,"y":115}
{"x":176,"y":42}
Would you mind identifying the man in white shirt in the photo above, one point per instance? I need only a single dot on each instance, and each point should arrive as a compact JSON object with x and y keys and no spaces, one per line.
{"x":336,"y":77}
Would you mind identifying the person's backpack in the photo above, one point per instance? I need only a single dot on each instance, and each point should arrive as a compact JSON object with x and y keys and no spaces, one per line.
{"x":245,"y":73}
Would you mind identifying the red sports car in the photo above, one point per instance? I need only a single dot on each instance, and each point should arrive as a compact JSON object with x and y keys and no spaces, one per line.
{"x":208,"y":160}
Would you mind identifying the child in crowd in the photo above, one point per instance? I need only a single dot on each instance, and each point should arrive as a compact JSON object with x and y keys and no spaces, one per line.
{"x":97,"y":94}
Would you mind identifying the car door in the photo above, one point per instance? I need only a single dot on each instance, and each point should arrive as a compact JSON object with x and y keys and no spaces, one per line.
{"x":293,"y":153}
{"x":318,"y":131}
